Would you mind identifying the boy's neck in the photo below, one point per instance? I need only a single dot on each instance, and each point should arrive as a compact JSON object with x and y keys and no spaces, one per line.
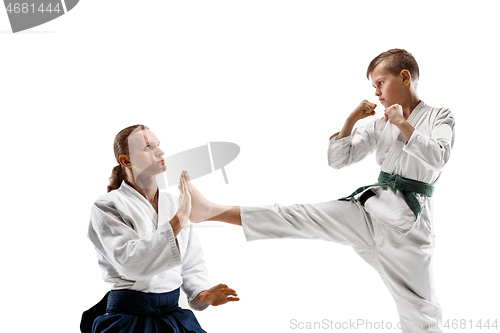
{"x":410,"y":105}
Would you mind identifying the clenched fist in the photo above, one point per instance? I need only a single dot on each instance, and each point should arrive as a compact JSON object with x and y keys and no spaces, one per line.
{"x":363,"y":110}
{"x":394,"y":113}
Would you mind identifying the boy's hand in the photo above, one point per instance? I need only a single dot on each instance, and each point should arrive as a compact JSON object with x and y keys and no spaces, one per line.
{"x":363,"y":110}
{"x":394,"y":113}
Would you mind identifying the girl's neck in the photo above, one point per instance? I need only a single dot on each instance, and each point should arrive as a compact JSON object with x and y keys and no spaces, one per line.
{"x":148,"y":188}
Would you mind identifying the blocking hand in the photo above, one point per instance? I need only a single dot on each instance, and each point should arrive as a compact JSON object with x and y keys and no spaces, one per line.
{"x":218,"y":295}
{"x":184,"y":209}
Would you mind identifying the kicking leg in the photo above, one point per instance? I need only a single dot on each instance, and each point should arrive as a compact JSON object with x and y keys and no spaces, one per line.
{"x":339,"y":221}
{"x":342,"y":222}
{"x":205,"y":210}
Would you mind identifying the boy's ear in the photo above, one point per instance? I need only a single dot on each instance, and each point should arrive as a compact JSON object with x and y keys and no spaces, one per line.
{"x":405,"y":76}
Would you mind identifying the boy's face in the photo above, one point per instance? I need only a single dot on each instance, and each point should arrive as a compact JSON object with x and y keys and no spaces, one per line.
{"x":388,"y":88}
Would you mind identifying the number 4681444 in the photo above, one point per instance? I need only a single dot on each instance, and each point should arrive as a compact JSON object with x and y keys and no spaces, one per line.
{"x":470,"y":324}
{"x":30,"y":8}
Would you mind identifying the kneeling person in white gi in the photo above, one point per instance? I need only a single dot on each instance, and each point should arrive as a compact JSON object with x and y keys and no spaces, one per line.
{"x":146,"y":247}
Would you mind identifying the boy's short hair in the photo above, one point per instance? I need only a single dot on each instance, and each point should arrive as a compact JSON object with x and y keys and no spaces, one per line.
{"x":395,"y":61}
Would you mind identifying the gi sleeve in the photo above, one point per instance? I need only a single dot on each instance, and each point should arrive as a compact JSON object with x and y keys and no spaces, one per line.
{"x":135,"y":257}
{"x":194,"y":272}
{"x":355,"y":147}
{"x":434,"y":150}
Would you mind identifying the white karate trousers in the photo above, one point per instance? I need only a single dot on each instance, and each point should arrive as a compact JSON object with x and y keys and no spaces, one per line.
{"x":403,"y":261}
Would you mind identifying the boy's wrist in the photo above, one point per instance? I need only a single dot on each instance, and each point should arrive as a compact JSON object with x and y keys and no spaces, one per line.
{"x":400,"y":122}
{"x":352,"y":119}
{"x":405,"y":127}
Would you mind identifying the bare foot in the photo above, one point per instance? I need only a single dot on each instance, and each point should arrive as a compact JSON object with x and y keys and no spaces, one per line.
{"x":200,"y":206}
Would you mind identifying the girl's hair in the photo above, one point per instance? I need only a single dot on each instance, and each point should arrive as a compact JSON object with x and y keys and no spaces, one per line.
{"x":120,"y":147}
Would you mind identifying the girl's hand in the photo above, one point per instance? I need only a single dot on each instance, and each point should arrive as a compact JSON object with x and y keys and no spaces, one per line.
{"x":184,"y":209}
{"x":218,"y":295}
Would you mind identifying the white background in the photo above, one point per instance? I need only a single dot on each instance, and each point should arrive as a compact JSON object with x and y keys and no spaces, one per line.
{"x":275,"y":77}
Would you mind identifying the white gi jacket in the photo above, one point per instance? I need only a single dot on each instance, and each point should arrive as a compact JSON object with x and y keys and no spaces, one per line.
{"x":137,"y":249}
{"x":421,"y":158}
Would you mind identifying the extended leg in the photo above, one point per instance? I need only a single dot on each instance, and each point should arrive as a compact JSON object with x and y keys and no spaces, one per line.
{"x":339,"y":221}
{"x":342,"y":222}
{"x":204,"y":210}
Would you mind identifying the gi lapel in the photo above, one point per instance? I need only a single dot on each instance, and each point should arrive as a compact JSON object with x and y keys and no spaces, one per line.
{"x":398,"y":145}
{"x":148,"y":208}
{"x":162,"y":209}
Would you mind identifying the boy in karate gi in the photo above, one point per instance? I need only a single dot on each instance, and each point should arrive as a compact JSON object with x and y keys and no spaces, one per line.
{"x":389,"y":223}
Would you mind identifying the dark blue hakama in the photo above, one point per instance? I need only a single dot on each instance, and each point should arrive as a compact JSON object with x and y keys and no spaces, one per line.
{"x":130,"y":311}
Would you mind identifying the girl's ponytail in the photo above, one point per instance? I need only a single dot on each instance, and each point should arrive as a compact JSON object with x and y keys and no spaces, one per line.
{"x":117,"y":177}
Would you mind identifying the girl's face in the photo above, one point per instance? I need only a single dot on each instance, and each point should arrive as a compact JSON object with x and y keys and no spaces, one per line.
{"x":146,"y":157}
